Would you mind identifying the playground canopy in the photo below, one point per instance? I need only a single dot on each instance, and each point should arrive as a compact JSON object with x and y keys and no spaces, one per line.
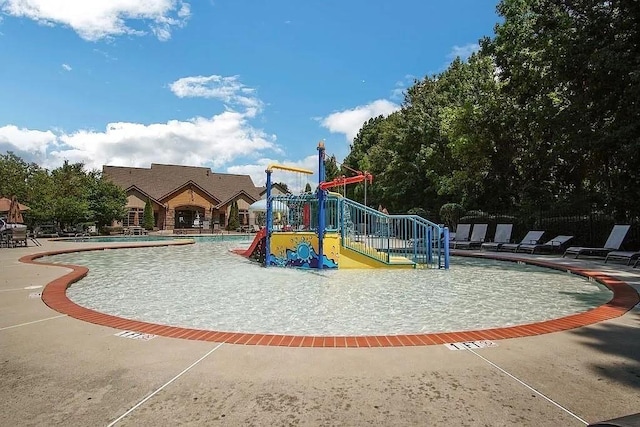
{"x":261,"y":206}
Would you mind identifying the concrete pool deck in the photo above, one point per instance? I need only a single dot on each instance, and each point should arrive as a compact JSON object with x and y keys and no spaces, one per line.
{"x":58,"y":370}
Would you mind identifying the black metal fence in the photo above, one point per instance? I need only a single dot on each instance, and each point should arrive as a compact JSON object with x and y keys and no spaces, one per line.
{"x":588,"y":229}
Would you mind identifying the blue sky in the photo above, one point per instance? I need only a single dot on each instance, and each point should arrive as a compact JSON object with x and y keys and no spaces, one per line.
{"x":229,"y":84}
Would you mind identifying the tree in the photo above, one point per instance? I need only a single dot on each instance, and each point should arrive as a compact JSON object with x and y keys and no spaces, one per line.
{"x":41,"y":197}
{"x":358,"y":158}
{"x":569,"y":69}
{"x":331,"y":169}
{"x":67,"y":196}
{"x":148,"y":220}
{"x":107,"y":201}
{"x":71,"y":187}
{"x":234,"y":217}
{"x":14,"y":176}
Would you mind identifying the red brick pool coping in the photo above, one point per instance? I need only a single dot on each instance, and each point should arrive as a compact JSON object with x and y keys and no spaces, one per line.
{"x":54,"y":295}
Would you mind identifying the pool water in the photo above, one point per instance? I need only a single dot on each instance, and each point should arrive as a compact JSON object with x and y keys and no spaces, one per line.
{"x":206,"y":286}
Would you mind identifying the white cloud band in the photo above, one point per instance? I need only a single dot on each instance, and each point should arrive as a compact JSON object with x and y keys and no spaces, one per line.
{"x":214,"y":141}
{"x":350,"y":121}
{"x":97,"y":19}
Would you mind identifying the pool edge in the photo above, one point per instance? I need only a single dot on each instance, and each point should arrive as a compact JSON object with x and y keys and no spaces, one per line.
{"x":54,"y":296}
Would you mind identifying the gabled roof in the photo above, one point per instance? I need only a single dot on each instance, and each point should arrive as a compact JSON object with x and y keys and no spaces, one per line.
{"x":263,"y":189}
{"x":235,"y":196}
{"x":161,"y":180}
{"x":135,"y":187}
{"x":188,"y":184}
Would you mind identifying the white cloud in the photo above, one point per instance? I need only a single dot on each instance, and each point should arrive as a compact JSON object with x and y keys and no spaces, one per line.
{"x":227,"y":89}
{"x":215,"y":142}
{"x":295,"y":181}
{"x":97,"y":19}
{"x":106,"y":55}
{"x":349,"y":122}
{"x":67,"y":67}
{"x":25,"y":139}
{"x":463,"y":51}
{"x":401,"y":86}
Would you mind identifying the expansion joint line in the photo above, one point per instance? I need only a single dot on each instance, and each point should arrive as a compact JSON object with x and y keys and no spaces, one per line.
{"x":31,"y":323}
{"x":529,"y":387}
{"x":137,"y":405}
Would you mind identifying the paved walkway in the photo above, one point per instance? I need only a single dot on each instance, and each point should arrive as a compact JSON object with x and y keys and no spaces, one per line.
{"x":58,"y":370}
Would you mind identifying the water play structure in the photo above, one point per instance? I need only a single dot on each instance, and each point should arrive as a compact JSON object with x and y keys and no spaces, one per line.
{"x":324,"y":229}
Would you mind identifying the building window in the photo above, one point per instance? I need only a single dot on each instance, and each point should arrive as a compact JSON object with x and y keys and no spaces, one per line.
{"x":134,"y":217}
{"x":244,"y":216}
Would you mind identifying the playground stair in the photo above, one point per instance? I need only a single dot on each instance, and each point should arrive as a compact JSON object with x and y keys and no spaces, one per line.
{"x":389,"y":240}
{"x":375,"y":254}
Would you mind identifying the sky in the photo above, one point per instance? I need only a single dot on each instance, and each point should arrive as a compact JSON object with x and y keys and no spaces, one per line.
{"x":234,"y":85}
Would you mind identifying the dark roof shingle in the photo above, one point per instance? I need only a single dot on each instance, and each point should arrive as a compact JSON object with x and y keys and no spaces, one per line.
{"x":161,"y":180}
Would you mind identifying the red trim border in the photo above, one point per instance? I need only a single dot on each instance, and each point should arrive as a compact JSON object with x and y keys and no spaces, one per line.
{"x":54,"y":295}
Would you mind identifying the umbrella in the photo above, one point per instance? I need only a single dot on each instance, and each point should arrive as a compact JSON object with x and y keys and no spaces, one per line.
{"x":14,"y":216}
{"x":5,"y":204}
{"x":136,"y":219}
{"x":276,"y":205}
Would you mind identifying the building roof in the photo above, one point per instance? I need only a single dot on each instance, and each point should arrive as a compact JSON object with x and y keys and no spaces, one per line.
{"x":276,"y":185}
{"x":160,"y":181}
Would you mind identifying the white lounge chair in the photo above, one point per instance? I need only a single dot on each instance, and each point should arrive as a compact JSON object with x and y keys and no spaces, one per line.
{"x":554,"y":245}
{"x":462,"y":235}
{"x":613,"y":243}
{"x":630,"y":256}
{"x":503,"y":235}
{"x":531,"y":238}
{"x":478,"y":236}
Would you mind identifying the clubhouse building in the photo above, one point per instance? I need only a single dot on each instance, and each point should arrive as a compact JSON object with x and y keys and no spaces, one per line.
{"x":184,"y":197}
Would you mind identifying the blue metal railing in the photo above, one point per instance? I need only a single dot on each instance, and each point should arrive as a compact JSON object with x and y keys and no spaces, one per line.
{"x":392,"y":239}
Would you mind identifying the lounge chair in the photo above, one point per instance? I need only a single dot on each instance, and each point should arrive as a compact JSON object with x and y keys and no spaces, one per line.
{"x":478,"y":235}
{"x":556,"y":244}
{"x":630,"y":256}
{"x":613,"y":243}
{"x":462,"y":235}
{"x":18,"y":237}
{"x":531,"y":238}
{"x":503,"y":235}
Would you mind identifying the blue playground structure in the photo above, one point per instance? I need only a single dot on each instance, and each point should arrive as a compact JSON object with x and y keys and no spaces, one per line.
{"x":323,"y":229}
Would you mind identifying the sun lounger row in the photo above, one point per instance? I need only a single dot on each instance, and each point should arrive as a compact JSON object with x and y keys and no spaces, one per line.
{"x":502,"y":241}
{"x":532,"y":243}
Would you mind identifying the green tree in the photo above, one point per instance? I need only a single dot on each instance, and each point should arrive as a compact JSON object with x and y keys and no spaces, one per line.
{"x":234,"y":217}
{"x":450,"y":214}
{"x":66,"y":196}
{"x":569,"y":68}
{"x":331,"y":169}
{"x":14,"y":176}
{"x":107,"y":201}
{"x":41,"y":197}
{"x":358,"y":158}
{"x":148,"y":220}
{"x":71,"y":187}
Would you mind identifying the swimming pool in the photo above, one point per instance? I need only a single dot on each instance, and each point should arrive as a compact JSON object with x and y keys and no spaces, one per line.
{"x":205,"y":286}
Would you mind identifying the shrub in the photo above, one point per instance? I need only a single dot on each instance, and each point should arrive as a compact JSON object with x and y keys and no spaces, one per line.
{"x":450,"y":214}
{"x":148,"y":221}
{"x":234,"y":217}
